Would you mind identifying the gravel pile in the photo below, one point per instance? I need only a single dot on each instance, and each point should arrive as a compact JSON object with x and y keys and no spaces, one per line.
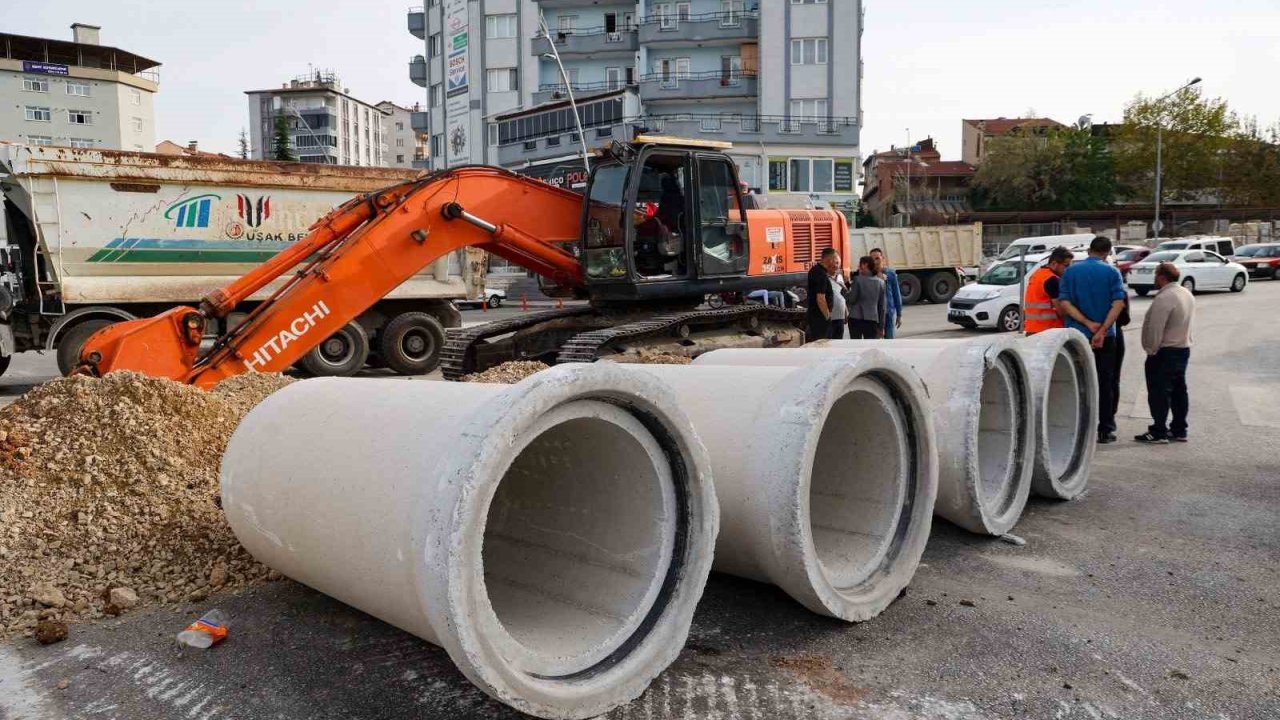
{"x":109,"y":496}
{"x":653,"y":359}
{"x":508,"y":373}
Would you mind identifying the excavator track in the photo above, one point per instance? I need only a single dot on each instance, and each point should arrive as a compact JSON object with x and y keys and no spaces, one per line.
{"x":585,"y":347}
{"x":457,"y":358}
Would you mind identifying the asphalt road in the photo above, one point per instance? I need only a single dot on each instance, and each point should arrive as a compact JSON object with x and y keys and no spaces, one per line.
{"x":1152,"y":596}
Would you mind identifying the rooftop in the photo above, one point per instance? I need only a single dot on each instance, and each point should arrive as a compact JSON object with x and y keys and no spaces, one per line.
{"x":71,"y":53}
{"x":1000,"y":126}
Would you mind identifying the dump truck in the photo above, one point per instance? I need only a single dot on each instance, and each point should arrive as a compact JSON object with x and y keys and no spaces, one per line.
{"x":931,"y":261}
{"x":93,"y":237}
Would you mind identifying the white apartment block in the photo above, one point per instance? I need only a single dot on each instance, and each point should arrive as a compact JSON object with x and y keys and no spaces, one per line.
{"x":326,"y":124}
{"x":401,"y":144}
{"x":780,"y":79}
{"x":76,"y":93}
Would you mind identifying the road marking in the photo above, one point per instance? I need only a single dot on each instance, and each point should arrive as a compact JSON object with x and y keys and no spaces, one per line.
{"x":1255,"y":405}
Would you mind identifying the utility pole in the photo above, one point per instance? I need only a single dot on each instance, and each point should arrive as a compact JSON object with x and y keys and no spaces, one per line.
{"x":1155,"y":226}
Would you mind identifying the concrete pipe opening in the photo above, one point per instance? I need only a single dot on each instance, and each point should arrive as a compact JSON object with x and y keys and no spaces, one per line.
{"x":1064,"y":384}
{"x":578,"y":538}
{"x":553,"y":536}
{"x":1001,"y":445}
{"x":858,"y":484}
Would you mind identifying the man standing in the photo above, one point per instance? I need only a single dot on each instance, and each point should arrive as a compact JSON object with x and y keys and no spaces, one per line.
{"x":893,"y":294}
{"x":1166,"y":336}
{"x":1040,"y":306}
{"x":866,"y":300}
{"x":820,"y":297}
{"x":1092,"y":295}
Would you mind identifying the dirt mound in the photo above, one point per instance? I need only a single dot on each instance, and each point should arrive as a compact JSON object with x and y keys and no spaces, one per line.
{"x":113,"y":483}
{"x":652,"y":359}
{"x":508,"y":373}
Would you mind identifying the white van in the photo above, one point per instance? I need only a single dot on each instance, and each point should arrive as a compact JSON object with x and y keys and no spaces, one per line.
{"x":1044,"y":244}
{"x":1224,"y":246}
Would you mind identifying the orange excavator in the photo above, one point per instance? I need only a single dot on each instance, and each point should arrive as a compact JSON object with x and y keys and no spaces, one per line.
{"x":663,"y":223}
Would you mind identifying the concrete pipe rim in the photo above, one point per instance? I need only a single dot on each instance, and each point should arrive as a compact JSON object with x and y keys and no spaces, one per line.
{"x":461,"y":604}
{"x":1003,"y":460}
{"x":810,"y":573}
{"x":1067,"y":389}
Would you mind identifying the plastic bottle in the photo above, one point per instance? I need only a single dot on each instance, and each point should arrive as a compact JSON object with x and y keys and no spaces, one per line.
{"x":208,"y":631}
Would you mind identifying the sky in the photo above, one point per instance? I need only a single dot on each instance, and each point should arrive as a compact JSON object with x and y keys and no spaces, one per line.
{"x":928,"y":63}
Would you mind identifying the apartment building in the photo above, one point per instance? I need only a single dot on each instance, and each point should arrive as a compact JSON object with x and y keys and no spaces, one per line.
{"x":401,"y":144}
{"x":779,"y":79}
{"x":76,"y":93}
{"x":326,"y":123}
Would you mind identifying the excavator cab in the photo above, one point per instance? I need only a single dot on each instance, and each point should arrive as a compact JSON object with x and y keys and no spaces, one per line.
{"x":664,"y":218}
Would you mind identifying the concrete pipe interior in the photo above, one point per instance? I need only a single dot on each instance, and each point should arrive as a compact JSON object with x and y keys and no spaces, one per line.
{"x":998,"y":435}
{"x":1063,"y":408}
{"x":858,"y":485}
{"x":579,"y":538}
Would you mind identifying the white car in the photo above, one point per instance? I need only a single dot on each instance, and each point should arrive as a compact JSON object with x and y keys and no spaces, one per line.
{"x":489,"y":298}
{"x":1200,"y":269}
{"x":995,"y":301}
{"x":1223,"y":246}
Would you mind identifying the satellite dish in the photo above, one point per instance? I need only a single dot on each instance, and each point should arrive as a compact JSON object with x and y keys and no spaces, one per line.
{"x":1085,"y":122}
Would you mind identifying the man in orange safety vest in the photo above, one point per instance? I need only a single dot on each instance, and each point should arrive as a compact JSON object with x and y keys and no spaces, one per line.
{"x":1040,"y":306}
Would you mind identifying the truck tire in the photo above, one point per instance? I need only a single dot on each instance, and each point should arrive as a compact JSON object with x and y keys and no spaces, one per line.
{"x":941,"y":286}
{"x":410,"y":344}
{"x":340,"y":355}
{"x":911,"y":288}
{"x":72,"y":342}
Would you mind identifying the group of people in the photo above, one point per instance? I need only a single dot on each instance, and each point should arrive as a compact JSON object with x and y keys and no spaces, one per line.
{"x":868,"y":303}
{"x":1090,"y":296}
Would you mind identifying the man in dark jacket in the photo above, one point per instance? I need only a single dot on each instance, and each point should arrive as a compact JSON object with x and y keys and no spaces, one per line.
{"x":820,"y":296}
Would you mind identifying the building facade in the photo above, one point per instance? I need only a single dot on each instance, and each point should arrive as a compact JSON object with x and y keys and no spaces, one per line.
{"x":76,"y":93}
{"x":977,"y":134}
{"x":326,"y":124}
{"x":914,"y":185}
{"x":402,"y":146}
{"x":781,"y":80}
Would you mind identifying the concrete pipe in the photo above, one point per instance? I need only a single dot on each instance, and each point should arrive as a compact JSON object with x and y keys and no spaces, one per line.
{"x":1065,"y":407}
{"x":826,"y":475}
{"x":981,"y":404}
{"x":553,"y":536}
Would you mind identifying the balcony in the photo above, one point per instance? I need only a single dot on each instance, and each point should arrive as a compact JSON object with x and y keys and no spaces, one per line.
{"x":537,"y":149}
{"x":418,"y":70}
{"x":718,"y":28}
{"x":588,"y":43}
{"x":417,"y":22}
{"x":718,"y":85}
{"x":567,"y":3}
{"x":839,"y":131}
{"x":420,"y":121}
{"x":559,"y":91}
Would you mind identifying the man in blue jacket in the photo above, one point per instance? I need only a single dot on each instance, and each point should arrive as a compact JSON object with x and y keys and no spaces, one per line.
{"x":893,"y":294}
{"x":1092,"y":294}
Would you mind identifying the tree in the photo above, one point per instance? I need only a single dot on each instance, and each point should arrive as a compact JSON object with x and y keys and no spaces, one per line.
{"x":244,"y":145}
{"x":1197,"y":131}
{"x":1251,"y":170}
{"x":281,"y":149}
{"x":1064,"y":169}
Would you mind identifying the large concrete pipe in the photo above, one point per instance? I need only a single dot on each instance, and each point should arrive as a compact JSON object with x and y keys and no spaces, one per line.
{"x":1065,"y":406}
{"x":981,"y":405}
{"x":826,"y":475}
{"x":553,"y":536}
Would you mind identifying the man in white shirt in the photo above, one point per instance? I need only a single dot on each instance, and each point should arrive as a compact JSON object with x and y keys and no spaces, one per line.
{"x":1166,"y":336}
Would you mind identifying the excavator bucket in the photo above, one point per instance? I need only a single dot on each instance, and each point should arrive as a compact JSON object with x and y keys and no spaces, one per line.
{"x":161,"y":346}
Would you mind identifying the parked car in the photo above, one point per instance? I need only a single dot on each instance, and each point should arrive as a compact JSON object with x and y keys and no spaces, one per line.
{"x":1043,"y":245}
{"x":995,"y":300}
{"x":1262,"y":260}
{"x":1126,"y":258}
{"x":1224,"y":246}
{"x":1200,"y":269}
{"x":488,"y":298}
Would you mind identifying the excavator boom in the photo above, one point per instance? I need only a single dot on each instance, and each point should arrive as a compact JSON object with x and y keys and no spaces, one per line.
{"x":350,"y":259}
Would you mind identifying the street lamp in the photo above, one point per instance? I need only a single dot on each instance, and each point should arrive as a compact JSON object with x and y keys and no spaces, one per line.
{"x":1155,"y":226}
{"x":573,"y":104}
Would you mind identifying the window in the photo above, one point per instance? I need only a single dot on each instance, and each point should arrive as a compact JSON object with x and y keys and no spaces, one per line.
{"x":814,"y":175}
{"x":672,"y":70}
{"x":135,"y":96}
{"x":613,"y":77}
{"x":730,"y":13}
{"x":566,"y":24}
{"x":806,"y":110}
{"x":437,"y":93}
{"x":38,"y":114}
{"x":437,"y":145}
{"x":502,"y":79}
{"x":670,"y":14}
{"x":808,"y":2}
{"x":718,"y":208}
{"x":79,"y":89}
{"x":809,"y":51}
{"x":399,"y":125}
{"x":39,"y":140}
{"x":399,"y":142}
{"x":433,"y":45}
{"x":730,"y":70}
{"x":35,"y":84}
{"x":778,"y":175}
{"x":137,"y":124}
{"x":493,"y":133}
{"x":710,"y":124}
{"x":400,"y":158}
{"x":500,"y":26}
{"x":80,"y":117}
{"x":82,"y":142}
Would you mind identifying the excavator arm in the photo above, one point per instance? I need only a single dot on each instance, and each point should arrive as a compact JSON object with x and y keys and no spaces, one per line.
{"x":348,"y":261}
